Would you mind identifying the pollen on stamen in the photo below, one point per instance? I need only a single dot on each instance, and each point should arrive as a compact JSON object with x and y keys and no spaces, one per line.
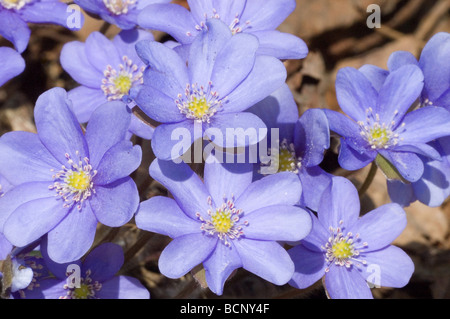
{"x":74,"y":183}
{"x":117,"y":83}
{"x":199,"y":103}
{"x":343,"y":249}
{"x":224,"y":222}
{"x":14,"y":4}
{"x":119,"y":7}
{"x":284,"y":158}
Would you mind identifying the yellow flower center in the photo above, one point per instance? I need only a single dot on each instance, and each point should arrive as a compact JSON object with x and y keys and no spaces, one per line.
{"x":222,"y":221}
{"x":83,"y":292}
{"x":79,"y":181}
{"x":198,"y":107}
{"x":286,"y":162}
{"x":123,"y":84}
{"x":14,"y":4}
{"x":380,"y":134}
{"x":342,"y":250}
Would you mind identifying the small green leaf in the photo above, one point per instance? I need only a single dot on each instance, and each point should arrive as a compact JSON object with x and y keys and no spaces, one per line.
{"x":389,"y":170}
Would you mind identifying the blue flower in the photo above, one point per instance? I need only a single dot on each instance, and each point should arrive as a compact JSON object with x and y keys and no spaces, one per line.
{"x":379,"y":126}
{"x":226,"y":222}
{"x":351,"y":251}
{"x":301,"y":143}
{"x":122,"y":13}
{"x":434,"y":186}
{"x":11,"y":64}
{"x":260,"y":18}
{"x":107,"y":71}
{"x":66,"y":181}
{"x":97,"y":277}
{"x":14,"y":16}
{"x":220,"y":80}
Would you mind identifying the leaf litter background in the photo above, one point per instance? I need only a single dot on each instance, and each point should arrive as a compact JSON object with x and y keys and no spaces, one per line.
{"x":337,"y":36}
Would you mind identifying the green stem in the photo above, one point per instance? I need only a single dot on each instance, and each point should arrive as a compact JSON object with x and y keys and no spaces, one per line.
{"x":369,"y":179}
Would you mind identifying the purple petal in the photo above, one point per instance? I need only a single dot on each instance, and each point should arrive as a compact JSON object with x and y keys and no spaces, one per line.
{"x":318,"y":236}
{"x":444,"y":100}
{"x":401,"y":58}
{"x":126,"y":40}
{"x":314,"y":182}
{"x":85,"y":100}
{"x":352,"y":160}
{"x":279,"y":189}
{"x":227,"y":10}
{"x":57,"y":126}
{"x":380,"y":227}
{"x":170,"y":141}
{"x":278,"y":111}
{"x":266,"y":259}
{"x":237,"y":129}
{"x":75,"y":62}
{"x":186,"y":187}
{"x":267,"y":15}
{"x":309,"y":266}
{"x":123,"y":287}
{"x":400,"y":90}
{"x":424,"y":125}
{"x":267,"y":75}
{"x":141,"y":128}
{"x":355,"y":93}
{"x":401,"y":193}
{"x":73,"y":236}
{"x":279,"y":223}
{"x":343,"y":283}
{"x":114,"y":204}
{"x":107,"y":127}
{"x":170,"y":18}
{"x":158,"y":106}
{"x":19,"y":35}
{"x":219,"y":266}
{"x":184,"y":253}
{"x":22,"y":194}
{"x":11,"y":64}
{"x":198,"y":8}
{"x":389,"y":267}
{"x":422,"y":149}
{"x":48,"y":289}
{"x":204,"y":51}
{"x":234,"y":62}
{"x":409,"y":165}
{"x":435,"y":70}
{"x":33,"y":219}
{"x":104,"y":261}
{"x":101,"y":52}
{"x":118,"y":162}
{"x":312,"y":137}
{"x":226,"y":180}
{"x":167,"y":72}
{"x":281,"y":45}
{"x":377,"y":76}
{"x":340,"y":203}
{"x":49,"y":12}
{"x":24,"y":159}
{"x":162,"y":215}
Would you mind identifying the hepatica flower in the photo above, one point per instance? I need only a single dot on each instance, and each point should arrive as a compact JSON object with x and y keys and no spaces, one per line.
{"x":260,"y":18}
{"x":220,"y":80}
{"x":93,"y":278}
{"x":66,"y":181}
{"x":225,"y":222}
{"x":11,"y":64}
{"x":351,"y":251}
{"x":298,"y":144}
{"x":108,"y":70}
{"x":379,"y":126}
{"x":122,"y":13}
{"x":14,"y":15}
{"x":433,"y":187}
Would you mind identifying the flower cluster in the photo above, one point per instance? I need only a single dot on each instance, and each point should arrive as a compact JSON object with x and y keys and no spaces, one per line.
{"x":256,"y":196}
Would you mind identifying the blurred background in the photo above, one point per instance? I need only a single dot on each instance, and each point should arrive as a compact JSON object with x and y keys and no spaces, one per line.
{"x":337,"y":34}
